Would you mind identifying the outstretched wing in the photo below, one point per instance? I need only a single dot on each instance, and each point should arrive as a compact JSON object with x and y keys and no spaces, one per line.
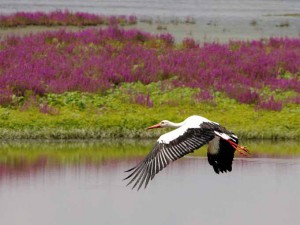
{"x":185,"y":140}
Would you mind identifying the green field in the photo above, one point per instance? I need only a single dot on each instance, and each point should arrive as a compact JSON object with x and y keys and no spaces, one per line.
{"x":115,"y":114}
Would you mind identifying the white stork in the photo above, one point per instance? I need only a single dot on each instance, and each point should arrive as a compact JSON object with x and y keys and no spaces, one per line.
{"x":191,"y":134}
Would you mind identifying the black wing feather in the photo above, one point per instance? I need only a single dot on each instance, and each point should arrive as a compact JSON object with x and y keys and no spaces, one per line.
{"x":162,"y":154}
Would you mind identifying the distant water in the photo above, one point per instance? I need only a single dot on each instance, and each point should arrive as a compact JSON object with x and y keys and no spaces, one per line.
{"x":216,"y":20}
{"x":166,"y":8}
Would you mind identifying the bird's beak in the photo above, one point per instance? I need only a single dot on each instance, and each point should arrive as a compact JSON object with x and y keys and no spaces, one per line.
{"x":154,"y":126}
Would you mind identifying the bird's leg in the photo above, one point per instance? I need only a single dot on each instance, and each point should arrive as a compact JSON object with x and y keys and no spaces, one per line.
{"x":242,"y":150}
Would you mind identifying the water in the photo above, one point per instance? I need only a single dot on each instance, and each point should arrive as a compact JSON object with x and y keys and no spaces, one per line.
{"x":216,"y":20}
{"x":81,"y":183}
{"x":169,"y":8}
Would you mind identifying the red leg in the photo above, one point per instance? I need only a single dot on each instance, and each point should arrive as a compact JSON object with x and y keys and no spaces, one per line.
{"x":242,"y":150}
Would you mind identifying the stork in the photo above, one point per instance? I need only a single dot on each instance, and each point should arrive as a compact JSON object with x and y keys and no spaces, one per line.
{"x":191,"y":134}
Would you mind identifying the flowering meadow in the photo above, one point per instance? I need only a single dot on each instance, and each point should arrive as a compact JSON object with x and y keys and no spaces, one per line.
{"x":81,"y":84}
{"x":95,"y":60}
{"x":62,"y":18}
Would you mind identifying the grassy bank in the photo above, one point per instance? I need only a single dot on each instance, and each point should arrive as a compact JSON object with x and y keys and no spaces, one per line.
{"x":128,"y":110}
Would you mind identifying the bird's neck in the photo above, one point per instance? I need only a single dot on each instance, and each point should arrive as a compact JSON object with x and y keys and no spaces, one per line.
{"x":175,"y":125}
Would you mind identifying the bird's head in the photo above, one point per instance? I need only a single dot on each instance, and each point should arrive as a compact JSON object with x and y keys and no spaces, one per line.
{"x":161,"y":124}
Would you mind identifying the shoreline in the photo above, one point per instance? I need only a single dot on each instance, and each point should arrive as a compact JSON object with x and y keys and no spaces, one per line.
{"x":94,"y":135}
{"x":203,"y":32}
{"x":98,"y":149}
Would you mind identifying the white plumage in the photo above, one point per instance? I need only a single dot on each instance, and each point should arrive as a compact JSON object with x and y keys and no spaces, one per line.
{"x":190,"y":122}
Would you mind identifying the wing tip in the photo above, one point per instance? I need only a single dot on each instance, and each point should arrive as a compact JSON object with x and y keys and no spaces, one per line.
{"x":126,"y":171}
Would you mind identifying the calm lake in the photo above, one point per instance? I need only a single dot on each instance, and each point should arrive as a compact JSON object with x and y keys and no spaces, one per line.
{"x":80,"y":182}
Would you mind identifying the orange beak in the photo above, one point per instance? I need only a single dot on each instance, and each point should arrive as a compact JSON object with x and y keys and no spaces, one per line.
{"x":154,"y":126}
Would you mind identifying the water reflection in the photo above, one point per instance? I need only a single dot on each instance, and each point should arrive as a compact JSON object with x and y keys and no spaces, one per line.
{"x":81,"y":183}
{"x":27,"y":158}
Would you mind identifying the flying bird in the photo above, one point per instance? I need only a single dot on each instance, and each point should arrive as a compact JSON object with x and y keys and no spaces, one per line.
{"x":191,"y":134}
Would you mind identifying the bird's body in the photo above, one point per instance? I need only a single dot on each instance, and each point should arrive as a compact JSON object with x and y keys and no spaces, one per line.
{"x":191,"y":134}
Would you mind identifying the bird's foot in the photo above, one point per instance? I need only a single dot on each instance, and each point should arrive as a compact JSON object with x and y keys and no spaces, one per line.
{"x":242,"y":150}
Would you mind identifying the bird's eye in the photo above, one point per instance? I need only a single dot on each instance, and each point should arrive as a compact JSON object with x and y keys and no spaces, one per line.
{"x":162,"y":122}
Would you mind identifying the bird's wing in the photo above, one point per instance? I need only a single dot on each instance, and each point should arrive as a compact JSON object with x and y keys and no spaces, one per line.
{"x":164,"y":152}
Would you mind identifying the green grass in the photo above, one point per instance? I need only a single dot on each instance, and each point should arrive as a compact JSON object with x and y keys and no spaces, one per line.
{"x":117,"y":114}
